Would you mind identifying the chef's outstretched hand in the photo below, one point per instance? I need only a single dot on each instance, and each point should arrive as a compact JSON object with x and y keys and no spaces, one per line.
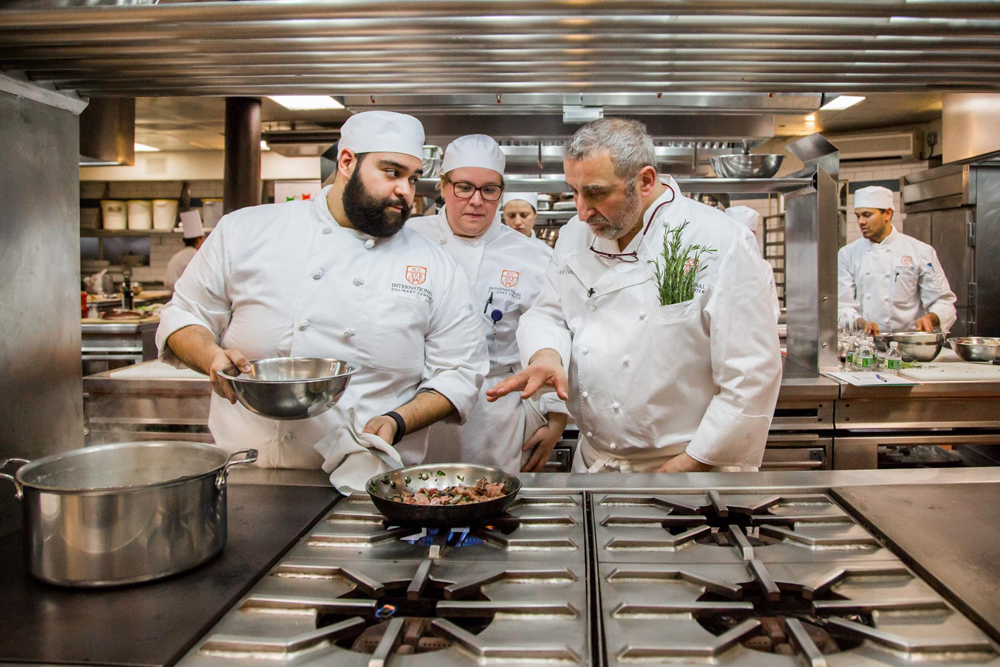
{"x":544,"y":370}
{"x":928,"y":323}
{"x":870,"y":328}
{"x":222,"y":359}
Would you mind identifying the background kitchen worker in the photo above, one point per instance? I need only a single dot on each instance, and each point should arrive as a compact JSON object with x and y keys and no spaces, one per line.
{"x":194,"y":236}
{"x":683,"y":386}
{"x":887,"y":279}
{"x":750,"y":219}
{"x":520,"y":210}
{"x":505,"y":270}
{"x":337,"y":276}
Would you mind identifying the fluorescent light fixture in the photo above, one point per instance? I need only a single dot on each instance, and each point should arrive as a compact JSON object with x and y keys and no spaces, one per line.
{"x":264,"y":146}
{"x":306,"y":102}
{"x":143,"y":148}
{"x":811,"y":118}
{"x":842,"y":102}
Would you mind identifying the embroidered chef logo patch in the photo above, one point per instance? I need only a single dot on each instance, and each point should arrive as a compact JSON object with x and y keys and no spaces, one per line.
{"x":509,"y":278}
{"x":906,"y":260}
{"x":690,"y":264}
{"x":416,"y":275}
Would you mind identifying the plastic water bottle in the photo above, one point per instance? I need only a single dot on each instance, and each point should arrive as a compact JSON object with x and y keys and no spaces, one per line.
{"x":854,"y":353}
{"x":894,"y":360}
{"x":867,"y":359}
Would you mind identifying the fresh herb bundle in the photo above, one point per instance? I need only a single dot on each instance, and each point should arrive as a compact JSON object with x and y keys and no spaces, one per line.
{"x":681,"y":265}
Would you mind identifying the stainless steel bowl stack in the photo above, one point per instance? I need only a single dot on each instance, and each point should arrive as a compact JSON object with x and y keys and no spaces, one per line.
{"x":976,"y":348}
{"x":914,"y":345}
{"x":289,"y":387}
{"x":747,"y":165}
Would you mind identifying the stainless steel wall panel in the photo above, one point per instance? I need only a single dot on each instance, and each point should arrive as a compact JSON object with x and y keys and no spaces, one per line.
{"x":41,"y":395}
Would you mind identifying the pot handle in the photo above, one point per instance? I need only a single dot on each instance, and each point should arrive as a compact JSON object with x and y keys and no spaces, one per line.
{"x":251,"y":457}
{"x":18,"y":491}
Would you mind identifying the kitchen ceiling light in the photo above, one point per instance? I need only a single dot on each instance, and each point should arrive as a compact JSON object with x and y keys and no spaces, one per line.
{"x":842,"y":102}
{"x":306,"y":102}
{"x":143,"y":148}
{"x":264,"y":146}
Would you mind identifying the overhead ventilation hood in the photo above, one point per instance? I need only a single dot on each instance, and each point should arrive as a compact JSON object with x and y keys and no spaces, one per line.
{"x":107,"y":132}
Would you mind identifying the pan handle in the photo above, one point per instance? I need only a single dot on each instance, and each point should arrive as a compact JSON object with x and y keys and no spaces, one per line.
{"x":251,"y":457}
{"x":18,"y":491}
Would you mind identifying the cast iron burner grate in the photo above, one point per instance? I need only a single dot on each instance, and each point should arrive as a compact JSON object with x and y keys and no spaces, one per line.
{"x":400,"y":621}
{"x":788,"y":620}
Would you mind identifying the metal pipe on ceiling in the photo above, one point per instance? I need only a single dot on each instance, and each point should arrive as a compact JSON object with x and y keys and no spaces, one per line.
{"x":442,"y":44}
{"x":237,"y":88}
{"x":404,"y":70}
{"x":375,"y":59}
{"x":571,"y":78}
{"x":262,"y":10}
{"x":481,"y":28}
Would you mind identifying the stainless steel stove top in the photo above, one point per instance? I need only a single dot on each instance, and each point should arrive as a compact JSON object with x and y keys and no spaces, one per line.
{"x":721,"y":578}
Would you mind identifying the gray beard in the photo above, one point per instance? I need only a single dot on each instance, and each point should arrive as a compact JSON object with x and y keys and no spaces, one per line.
{"x":625,"y":219}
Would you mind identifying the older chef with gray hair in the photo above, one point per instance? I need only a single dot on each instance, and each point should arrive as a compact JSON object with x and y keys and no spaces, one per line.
{"x":337,"y":276}
{"x":660,"y":309}
{"x":506,"y":271}
{"x":888,"y":281}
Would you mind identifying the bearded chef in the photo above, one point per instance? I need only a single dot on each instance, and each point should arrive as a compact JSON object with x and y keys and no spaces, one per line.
{"x":505,"y":270}
{"x":654,"y":386}
{"x":750,"y":219}
{"x":336,"y":276}
{"x":887,"y":279}
{"x":520,"y":210}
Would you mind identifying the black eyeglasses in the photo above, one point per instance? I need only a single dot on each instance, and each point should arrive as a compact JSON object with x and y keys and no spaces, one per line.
{"x":632,"y":257}
{"x":466,"y":190}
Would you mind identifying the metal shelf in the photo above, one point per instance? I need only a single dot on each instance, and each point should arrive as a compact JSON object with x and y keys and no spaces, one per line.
{"x":126,"y":232}
{"x":555,"y":183}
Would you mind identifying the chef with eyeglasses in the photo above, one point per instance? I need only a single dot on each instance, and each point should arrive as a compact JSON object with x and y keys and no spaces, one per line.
{"x":338,"y":276}
{"x":656,"y":379}
{"x":506,"y":271}
{"x":890,"y":282}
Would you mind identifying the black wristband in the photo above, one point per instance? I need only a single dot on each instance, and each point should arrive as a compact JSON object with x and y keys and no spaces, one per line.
{"x":400,"y":427}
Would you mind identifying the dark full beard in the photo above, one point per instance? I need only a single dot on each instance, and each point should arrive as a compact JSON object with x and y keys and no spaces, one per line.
{"x":625,"y":218}
{"x":370,"y":215}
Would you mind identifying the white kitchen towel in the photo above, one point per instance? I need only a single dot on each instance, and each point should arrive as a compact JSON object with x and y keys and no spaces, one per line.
{"x":352,"y":457}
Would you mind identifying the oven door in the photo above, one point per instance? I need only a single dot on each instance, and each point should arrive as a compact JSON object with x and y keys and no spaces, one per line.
{"x":797,"y":451}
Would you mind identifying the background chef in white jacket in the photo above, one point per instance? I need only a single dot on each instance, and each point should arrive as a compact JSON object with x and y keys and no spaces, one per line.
{"x":520,"y":210}
{"x":750,"y":219}
{"x":889,"y":281}
{"x":506,"y":271}
{"x":680,"y":387}
{"x":194,"y":236}
{"x":336,"y":276}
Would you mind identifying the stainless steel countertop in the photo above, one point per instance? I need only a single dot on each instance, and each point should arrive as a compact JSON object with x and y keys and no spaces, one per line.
{"x":110,"y":328}
{"x":663,"y":482}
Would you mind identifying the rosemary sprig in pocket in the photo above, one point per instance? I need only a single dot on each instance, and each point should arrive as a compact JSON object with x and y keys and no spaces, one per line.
{"x":681,"y":265}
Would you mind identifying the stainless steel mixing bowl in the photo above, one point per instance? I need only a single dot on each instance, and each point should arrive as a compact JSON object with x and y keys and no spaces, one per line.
{"x":914,"y":345}
{"x":976,"y":348}
{"x":289,"y":387}
{"x":747,"y":165}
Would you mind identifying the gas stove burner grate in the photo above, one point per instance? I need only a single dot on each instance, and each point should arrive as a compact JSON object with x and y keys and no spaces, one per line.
{"x":403,"y":619}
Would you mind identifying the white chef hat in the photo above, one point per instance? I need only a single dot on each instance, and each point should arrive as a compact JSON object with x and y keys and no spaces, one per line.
{"x":474,"y":150}
{"x":873,"y":197}
{"x":382,"y":132}
{"x":530,"y":197}
{"x":745,"y":216}
{"x":191,"y":224}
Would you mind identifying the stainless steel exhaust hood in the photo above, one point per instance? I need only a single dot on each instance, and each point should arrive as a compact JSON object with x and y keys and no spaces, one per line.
{"x":107,"y":132}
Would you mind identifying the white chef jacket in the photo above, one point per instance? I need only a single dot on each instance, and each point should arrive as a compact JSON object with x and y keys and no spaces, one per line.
{"x":545,"y":246}
{"x":287,"y":280}
{"x":893,"y":283}
{"x":648,"y":382}
{"x":505,"y":271}
{"x":177,"y":264}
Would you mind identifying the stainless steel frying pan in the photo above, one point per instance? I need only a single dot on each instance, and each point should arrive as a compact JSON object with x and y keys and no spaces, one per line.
{"x":383,"y":487}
